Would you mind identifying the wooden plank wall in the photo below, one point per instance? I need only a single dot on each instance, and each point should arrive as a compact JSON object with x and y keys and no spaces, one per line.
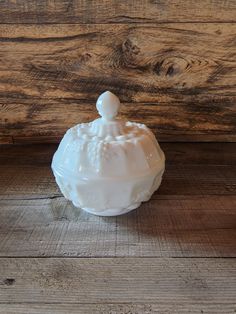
{"x":173,"y":64}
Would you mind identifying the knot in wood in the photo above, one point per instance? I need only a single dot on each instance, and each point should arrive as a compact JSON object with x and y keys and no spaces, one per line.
{"x":171,"y":66}
{"x":129,"y":47}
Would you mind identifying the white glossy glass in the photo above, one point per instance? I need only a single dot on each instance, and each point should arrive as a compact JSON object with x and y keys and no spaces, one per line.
{"x":108,"y":166}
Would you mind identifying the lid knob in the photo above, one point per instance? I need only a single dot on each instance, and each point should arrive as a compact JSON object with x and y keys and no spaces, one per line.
{"x":108,"y":105}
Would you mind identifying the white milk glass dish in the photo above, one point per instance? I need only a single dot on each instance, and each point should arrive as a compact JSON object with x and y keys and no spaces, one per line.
{"x":108,"y":166}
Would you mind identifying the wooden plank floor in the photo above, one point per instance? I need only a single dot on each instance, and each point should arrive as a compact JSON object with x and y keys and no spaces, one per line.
{"x":175,"y":254}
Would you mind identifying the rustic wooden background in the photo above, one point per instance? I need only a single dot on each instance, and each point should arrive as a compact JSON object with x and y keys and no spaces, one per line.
{"x":173,"y":64}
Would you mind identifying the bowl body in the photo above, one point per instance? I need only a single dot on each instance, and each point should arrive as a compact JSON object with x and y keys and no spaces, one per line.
{"x":108,"y":196}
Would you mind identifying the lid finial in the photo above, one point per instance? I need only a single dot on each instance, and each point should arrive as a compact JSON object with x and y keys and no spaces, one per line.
{"x":108,"y":105}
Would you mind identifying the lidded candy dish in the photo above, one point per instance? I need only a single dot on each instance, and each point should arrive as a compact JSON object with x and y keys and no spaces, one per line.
{"x":108,"y":166}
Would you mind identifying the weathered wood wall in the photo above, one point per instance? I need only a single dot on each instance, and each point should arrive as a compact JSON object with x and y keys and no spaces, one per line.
{"x":173,"y":64}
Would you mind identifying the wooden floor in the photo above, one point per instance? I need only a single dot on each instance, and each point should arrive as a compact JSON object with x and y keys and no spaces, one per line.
{"x":175,"y":254}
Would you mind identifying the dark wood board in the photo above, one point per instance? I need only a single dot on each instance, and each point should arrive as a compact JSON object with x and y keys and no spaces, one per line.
{"x":176,"y":153}
{"x":116,"y":11}
{"x":48,"y":123}
{"x":178,"y":180}
{"x":191,"y":169}
{"x":179,"y":79}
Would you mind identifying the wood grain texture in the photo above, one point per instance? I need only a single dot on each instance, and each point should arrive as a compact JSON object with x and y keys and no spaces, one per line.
{"x":165,"y":281}
{"x":179,"y":79}
{"x":178,"y":180}
{"x":6,"y":140}
{"x":57,"y":259}
{"x":165,"y":227}
{"x":116,"y":11}
{"x":48,"y":123}
{"x":184,"y":307}
{"x":176,"y":153}
{"x":191,"y":169}
{"x":173,"y":65}
{"x":191,"y":215}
